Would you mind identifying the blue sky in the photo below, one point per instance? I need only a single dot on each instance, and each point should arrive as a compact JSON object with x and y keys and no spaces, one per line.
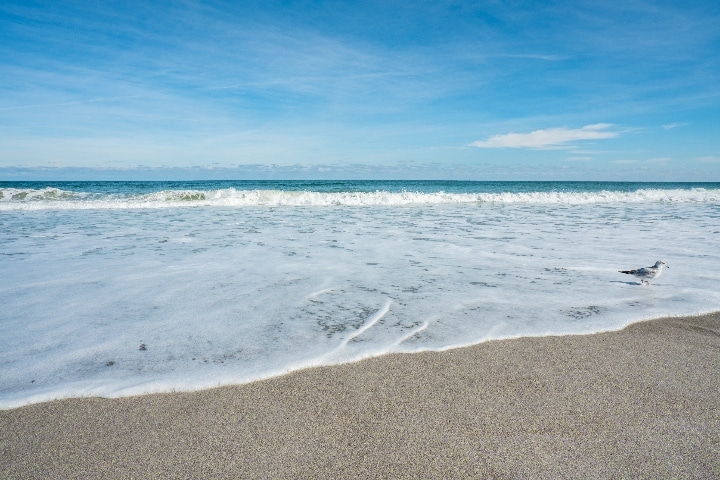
{"x":568,"y":90}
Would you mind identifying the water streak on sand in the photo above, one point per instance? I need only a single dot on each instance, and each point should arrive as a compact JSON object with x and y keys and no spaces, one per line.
{"x":371,"y":321}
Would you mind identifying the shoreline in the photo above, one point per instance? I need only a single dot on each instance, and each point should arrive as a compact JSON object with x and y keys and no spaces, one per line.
{"x":129,"y":392}
{"x":642,"y":402}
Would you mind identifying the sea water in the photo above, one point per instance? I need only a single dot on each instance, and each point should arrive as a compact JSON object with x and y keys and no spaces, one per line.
{"x":124,"y":288}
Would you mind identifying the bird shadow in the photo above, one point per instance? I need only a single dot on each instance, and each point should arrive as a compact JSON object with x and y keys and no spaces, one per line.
{"x":626,"y":283}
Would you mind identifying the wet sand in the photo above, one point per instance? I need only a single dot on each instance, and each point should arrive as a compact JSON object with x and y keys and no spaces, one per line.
{"x":643,"y":402}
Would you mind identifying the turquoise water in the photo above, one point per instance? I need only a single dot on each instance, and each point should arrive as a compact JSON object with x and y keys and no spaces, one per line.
{"x":327,"y":186}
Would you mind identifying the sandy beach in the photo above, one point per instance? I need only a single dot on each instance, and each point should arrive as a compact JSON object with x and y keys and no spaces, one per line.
{"x":643,"y":402}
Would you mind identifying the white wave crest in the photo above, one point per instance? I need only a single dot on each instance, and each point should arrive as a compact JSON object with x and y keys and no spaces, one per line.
{"x":35,"y":195}
{"x":53,"y":198}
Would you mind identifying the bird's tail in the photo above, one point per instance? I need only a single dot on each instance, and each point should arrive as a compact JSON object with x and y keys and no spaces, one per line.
{"x":627,"y":271}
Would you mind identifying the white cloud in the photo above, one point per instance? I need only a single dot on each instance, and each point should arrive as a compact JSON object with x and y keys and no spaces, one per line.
{"x":660,"y":160}
{"x":670,"y":126}
{"x":548,"y":138}
{"x":536,"y":56}
{"x":709,"y":159}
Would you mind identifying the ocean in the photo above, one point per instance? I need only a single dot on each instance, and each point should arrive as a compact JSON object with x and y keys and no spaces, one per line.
{"x":124,"y":288}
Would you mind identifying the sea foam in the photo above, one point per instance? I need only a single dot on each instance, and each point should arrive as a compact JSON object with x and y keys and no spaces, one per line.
{"x":118,"y":293}
{"x":54,"y":198}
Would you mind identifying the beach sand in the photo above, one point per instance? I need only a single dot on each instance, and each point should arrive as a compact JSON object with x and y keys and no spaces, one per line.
{"x":643,"y":402}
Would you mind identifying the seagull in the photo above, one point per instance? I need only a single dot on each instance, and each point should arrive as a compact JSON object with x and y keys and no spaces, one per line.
{"x":646,"y":273}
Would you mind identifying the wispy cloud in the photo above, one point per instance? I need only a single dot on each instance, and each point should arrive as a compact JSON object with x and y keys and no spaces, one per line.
{"x":65,"y":104}
{"x":659,"y":160}
{"x":648,"y":161}
{"x":709,"y":160}
{"x":670,"y":126}
{"x":548,"y":138}
{"x":539,"y":56}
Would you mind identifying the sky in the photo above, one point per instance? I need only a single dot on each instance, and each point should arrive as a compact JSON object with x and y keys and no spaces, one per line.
{"x":483,"y":90}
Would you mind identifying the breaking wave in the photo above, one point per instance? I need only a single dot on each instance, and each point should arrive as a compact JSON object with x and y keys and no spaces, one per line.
{"x":54,"y":198}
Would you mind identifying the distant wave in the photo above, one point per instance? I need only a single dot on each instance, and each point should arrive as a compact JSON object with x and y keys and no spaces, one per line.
{"x":54,"y":198}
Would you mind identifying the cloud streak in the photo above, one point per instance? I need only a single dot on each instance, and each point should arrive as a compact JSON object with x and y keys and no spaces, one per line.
{"x":548,"y":138}
{"x":671,"y":126}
